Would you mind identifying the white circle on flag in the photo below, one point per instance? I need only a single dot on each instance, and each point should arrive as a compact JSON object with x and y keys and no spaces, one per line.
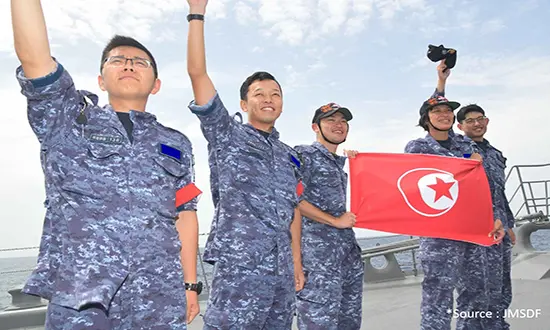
{"x":439,"y":201}
{"x":429,"y":192}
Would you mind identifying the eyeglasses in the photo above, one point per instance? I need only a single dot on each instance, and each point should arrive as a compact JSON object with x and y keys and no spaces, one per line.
{"x":119,"y":60}
{"x":471,"y":121}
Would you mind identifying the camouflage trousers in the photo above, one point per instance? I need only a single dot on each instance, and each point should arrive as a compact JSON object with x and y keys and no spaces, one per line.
{"x":139,"y":304}
{"x":332,"y":300}
{"x":243,"y":298}
{"x":506,"y":298}
{"x":450,"y":265}
{"x":495,"y":273}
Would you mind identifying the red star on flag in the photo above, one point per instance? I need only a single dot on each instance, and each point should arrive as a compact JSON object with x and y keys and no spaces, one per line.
{"x":441,"y":189}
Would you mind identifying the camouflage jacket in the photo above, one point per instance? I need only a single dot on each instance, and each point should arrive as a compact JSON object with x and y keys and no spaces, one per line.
{"x":325,"y":187}
{"x":255,"y":181}
{"x":110,"y":203}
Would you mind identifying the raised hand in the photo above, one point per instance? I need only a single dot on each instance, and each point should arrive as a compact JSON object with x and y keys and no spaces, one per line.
{"x":197,"y":6}
{"x":441,"y":73}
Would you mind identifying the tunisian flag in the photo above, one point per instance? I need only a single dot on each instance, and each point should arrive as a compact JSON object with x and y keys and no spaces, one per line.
{"x":422,"y":195}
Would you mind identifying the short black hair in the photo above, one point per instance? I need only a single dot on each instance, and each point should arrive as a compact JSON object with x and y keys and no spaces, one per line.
{"x":461,"y":115}
{"x":120,"y":41}
{"x":259,"y":75}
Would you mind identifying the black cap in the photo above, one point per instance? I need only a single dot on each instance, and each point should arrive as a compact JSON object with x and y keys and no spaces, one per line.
{"x":328,"y":110}
{"x":439,"y":53}
{"x":432,"y":102}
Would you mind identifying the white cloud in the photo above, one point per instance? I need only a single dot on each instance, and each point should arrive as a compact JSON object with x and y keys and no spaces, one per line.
{"x":512,"y":71}
{"x":331,"y":15}
{"x":68,"y":21}
{"x":294,"y":22}
{"x":244,"y":13}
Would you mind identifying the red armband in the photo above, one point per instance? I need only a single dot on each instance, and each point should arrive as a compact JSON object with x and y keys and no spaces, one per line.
{"x":299,"y":189}
{"x":186,"y":194}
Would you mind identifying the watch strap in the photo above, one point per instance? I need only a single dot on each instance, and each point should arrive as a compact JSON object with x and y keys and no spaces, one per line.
{"x":191,"y":17}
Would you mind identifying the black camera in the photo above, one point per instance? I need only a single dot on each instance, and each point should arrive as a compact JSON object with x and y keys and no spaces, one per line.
{"x":438,"y":53}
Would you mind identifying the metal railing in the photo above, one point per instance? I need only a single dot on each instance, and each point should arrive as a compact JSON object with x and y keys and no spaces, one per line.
{"x":392,"y":269}
{"x":531,"y":202}
{"x":28,"y":311}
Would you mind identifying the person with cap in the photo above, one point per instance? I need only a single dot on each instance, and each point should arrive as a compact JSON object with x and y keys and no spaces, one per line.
{"x":254,"y":241}
{"x":449,"y":264}
{"x":473,"y":122}
{"x":331,"y":258}
{"x":119,"y":188}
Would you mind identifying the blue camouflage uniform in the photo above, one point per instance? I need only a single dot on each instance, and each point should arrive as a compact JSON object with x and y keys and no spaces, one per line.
{"x":250,"y":241}
{"x":494,"y":164}
{"x":507,"y":268}
{"x":110,"y":252}
{"x":449,"y":264}
{"x":331,"y":258}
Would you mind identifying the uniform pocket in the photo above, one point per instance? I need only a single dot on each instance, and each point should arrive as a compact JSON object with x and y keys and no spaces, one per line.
{"x":219,"y":319}
{"x":171,"y":166}
{"x":328,"y":178}
{"x":320,"y":287}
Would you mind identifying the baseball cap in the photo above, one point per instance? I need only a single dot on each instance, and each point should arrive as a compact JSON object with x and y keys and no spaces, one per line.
{"x":328,"y":110}
{"x":438,"y":100}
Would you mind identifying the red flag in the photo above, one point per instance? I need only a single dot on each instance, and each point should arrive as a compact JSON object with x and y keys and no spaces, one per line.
{"x":422,"y":195}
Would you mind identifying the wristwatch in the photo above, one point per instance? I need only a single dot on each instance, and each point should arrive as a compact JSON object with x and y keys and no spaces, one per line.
{"x":197,"y":287}
{"x":191,"y":17}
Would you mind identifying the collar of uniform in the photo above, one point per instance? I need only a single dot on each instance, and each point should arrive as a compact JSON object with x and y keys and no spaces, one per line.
{"x":135,"y":116}
{"x":339,"y":159}
{"x":142,"y":115}
{"x":274,"y":133}
{"x":433,"y":142}
{"x":469,"y":139}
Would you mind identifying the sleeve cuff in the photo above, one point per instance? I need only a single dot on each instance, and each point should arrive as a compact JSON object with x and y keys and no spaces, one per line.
{"x":203,"y":110}
{"x":47,"y":80}
{"x":187,"y":195}
{"x":436,"y":93}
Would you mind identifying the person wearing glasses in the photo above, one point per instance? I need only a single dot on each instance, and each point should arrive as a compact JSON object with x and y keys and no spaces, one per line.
{"x":473,"y":122}
{"x":450,"y":264}
{"x":121,"y":202}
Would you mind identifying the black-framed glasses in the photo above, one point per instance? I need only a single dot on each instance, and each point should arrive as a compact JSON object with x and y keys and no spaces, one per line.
{"x":120,"y":60}
{"x":470,"y":121}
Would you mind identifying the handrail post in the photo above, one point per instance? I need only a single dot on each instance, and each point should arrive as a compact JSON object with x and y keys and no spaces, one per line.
{"x":413,"y":255}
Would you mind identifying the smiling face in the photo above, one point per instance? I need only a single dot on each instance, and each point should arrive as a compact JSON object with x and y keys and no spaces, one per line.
{"x":474,"y":125}
{"x":441,"y":117}
{"x":127,"y":79}
{"x":334,"y":128}
{"x":264,"y":103}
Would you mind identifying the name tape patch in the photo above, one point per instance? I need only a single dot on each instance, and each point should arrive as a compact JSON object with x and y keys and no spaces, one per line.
{"x":170,"y":152}
{"x":108,"y":139}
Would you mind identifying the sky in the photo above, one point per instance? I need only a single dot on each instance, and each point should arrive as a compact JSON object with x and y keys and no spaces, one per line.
{"x":368,"y":55}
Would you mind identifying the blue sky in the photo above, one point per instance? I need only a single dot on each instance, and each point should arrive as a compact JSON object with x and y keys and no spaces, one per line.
{"x":369,"y":55}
